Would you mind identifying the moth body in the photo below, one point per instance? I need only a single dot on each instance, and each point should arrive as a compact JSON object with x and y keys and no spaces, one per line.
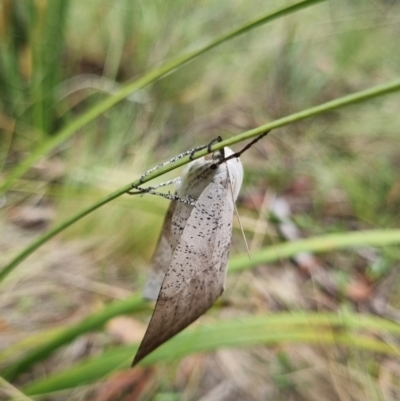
{"x":198,"y":174}
{"x":189,"y":264}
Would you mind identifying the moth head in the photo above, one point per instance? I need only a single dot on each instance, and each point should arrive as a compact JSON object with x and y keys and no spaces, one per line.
{"x":196,"y":176}
{"x":233,"y":167}
{"x":216,"y":158}
{"x":200,"y":172}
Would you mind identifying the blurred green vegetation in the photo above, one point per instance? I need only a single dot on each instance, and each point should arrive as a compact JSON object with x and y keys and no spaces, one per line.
{"x":59,"y":58}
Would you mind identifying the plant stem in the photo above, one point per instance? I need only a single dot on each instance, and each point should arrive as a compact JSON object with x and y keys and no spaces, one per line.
{"x":358,"y":97}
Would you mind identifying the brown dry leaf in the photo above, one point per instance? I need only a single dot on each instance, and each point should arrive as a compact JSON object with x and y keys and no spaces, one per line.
{"x":125,"y":386}
{"x":126,"y":329}
{"x":358,"y":291}
{"x":4,"y":325}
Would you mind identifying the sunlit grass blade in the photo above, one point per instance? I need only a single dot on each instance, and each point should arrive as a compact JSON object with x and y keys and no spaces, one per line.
{"x":323,"y":243}
{"x":274,"y":253}
{"x":379,"y":90}
{"x":324,"y":329}
{"x":147,"y":79}
{"x":32,"y":342}
{"x":90,"y":323}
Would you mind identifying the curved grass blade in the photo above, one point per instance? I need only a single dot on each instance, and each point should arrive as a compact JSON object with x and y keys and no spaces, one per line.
{"x":134,"y":86}
{"x":92,"y":322}
{"x":379,"y":90}
{"x":312,"y":328}
{"x":320,"y":244}
{"x":275,"y":253}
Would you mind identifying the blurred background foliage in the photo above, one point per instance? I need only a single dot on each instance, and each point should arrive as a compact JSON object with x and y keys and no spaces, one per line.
{"x":338,"y":172}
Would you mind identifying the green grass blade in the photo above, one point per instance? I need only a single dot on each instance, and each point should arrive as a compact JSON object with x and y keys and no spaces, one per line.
{"x":57,"y":229}
{"x":147,"y":79}
{"x":379,"y":90}
{"x":323,"y":243}
{"x":313,"y":328}
{"x":90,"y":323}
{"x":361,"y":96}
{"x":85,"y":372}
{"x":33,"y":341}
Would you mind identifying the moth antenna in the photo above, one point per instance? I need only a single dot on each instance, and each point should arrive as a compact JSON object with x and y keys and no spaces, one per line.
{"x":233,"y":156}
{"x":248,"y":146}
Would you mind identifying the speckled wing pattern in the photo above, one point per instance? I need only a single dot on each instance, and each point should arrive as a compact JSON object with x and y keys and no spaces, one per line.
{"x":196,"y":275}
{"x":161,"y":258}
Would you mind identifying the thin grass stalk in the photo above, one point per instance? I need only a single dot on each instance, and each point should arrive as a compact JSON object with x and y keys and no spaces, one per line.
{"x":320,"y":244}
{"x":134,"y":86}
{"x":374,"y":92}
{"x":311,"y":328}
{"x":90,"y":323}
{"x":275,"y":253}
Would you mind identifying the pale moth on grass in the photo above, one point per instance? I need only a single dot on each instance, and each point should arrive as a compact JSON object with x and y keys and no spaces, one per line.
{"x":189,"y":264}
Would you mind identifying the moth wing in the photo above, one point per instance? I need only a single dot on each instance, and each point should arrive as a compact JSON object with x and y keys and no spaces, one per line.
{"x":223,"y":242}
{"x":196,"y":275}
{"x":179,"y":219}
{"x":161,"y":258}
{"x":175,"y":220}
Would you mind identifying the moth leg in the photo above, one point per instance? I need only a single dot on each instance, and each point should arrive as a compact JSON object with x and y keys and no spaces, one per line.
{"x":173,"y":160}
{"x":148,"y":189}
{"x":213,"y":142}
{"x":140,"y":190}
{"x":187,"y":200}
{"x":208,"y":147}
{"x":189,"y":153}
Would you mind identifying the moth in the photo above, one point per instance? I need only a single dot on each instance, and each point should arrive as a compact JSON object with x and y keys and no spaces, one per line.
{"x":189,"y":265}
